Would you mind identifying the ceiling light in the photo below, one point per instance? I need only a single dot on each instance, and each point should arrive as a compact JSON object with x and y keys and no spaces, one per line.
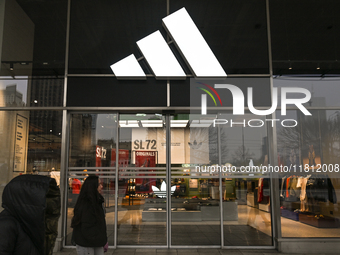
{"x":11,"y":67}
{"x":201,"y":123}
{"x":152,"y":123}
{"x":128,"y":123}
{"x":178,"y":123}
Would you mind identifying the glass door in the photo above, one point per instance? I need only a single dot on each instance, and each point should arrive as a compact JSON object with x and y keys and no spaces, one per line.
{"x":245,"y":184}
{"x":195,"y":199}
{"x":92,"y":149}
{"x":220,"y":195}
{"x":142,"y":200}
{"x":217,"y":198}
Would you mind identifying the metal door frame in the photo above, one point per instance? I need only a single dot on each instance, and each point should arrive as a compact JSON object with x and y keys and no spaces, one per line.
{"x":67,"y":115}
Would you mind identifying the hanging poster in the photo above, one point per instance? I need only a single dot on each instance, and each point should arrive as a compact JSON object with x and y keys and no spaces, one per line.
{"x":144,"y":139}
{"x":123,"y":160}
{"x":123,"y":157}
{"x":193,"y":183}
{"x":188,"y":146}
{"x":145,"y":159}
{"x":177,"y":146}
{"x":20,"y":144}
{"x":98,"y":156}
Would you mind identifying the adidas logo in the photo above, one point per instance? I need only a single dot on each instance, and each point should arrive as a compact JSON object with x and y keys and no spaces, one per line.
{"x":195,"y":145}
{"x":163,"y":63}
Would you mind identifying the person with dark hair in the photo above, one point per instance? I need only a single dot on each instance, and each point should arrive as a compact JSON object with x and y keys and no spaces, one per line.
{"x":88,"y":222}
{"x":29,"y":221}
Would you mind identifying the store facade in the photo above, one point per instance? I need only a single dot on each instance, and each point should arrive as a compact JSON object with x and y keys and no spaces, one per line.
{"x":173,"y":175}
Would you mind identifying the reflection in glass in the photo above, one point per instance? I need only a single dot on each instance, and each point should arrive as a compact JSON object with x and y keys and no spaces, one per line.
{"x":195,"y":204}
{"x":324,"y":91}
{"x":309,"y":193}
{"x":34,"y":92}
{"x":142,"y":180}
{"x":30,"y":144}
{"x":92,"y":151}
{"x":246,"y":194}
{"x":13,"y":92}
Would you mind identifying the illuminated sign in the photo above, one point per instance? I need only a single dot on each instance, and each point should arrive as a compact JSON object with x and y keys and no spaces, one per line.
{"x":190,"y":43}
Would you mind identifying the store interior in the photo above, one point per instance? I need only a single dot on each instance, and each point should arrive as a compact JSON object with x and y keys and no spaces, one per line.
{"x":195,"y":195}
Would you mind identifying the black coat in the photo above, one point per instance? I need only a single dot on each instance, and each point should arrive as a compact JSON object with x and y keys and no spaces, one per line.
{"x":30,"y":217}
{"x":90,"y":229}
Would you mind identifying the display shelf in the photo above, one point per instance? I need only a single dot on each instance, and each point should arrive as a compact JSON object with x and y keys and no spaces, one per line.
{"x":319,"y":221}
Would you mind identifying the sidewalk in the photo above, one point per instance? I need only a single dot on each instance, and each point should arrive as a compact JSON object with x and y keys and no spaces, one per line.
{"x":179,"y":252}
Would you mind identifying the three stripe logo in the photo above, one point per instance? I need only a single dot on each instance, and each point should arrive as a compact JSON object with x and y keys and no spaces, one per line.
{"x":163,"y":63}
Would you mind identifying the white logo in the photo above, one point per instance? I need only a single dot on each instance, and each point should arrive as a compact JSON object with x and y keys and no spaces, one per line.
{"x":156,"y":51}
{"x":162,"y":191}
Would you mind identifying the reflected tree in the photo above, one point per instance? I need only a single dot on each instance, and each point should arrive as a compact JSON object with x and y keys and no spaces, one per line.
{"x":241,"y":156}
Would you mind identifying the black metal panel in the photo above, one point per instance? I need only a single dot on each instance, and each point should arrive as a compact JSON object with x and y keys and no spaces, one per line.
{"x":103,"y":32}
{"x":305,"y":36}
{"x":180,"y":93}
{"x":110,"y":92}
{"x":236,"y":32}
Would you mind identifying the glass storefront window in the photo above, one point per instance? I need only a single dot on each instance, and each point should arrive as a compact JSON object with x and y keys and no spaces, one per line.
{"x":31,"y":92}
{"x":13,"y":92}
{"x":209,"y":160}
{"x":128,"y":150}
{"x":197,"y":150}
{"x":30,"y":144}
{"x":195,"y":201}
{"x":142,"y":180}
{"x":309,"y":192}
{"x":92,"y":150}
{"x":246,"y":197}
{"x":324,"y":92}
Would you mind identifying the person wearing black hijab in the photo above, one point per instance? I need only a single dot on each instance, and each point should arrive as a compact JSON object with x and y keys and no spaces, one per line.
{"x":29,"y":221}
{"x":88,"y":222}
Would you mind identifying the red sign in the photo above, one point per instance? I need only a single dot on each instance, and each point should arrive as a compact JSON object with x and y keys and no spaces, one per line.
{"x":145,"y":159}
{"x":98,"y":156}
{"x":123,"y":157}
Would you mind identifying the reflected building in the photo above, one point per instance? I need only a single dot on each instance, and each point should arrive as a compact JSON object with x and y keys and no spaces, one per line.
{"x":11,"y":97}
